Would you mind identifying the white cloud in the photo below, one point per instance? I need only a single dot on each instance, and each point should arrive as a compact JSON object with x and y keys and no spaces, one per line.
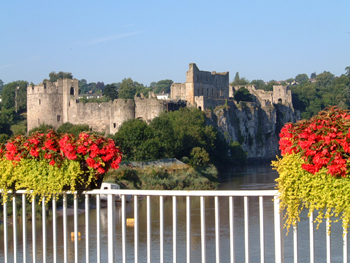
{"x":109,"y":38}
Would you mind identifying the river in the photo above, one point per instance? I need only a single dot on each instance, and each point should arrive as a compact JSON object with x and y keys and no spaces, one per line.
{"x":256,"y":177}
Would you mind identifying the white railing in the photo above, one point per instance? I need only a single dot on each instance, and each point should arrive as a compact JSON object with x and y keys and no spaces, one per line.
{"x":224,"y":218}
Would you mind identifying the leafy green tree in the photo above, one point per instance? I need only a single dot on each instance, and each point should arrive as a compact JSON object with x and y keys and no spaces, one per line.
{"x":347,"y":69}
{"x":239,"y":81}
{"x":163,"y":86}
{"x":242,"y":94}
{"x":290,"y":80}
{"x":163,"y":130}
{"x":83,"y":86}
{"x":237,"y":152}
{"x":130,"y":137}
{"x":110,"y":91}
{"x":60,"y":75}
{"x":127,"y":89}
{"x":9,"y":95}
{"x":313,"y":75}
{"x":100,"y":86}
{"x":6,"y":119}
{"x":324,"y":79}
{"x":1,"y":86}
{"x":153,"y":85}
{"x":259,"y":83}
{"x":199,"y":157}
{"x":301,"y":78}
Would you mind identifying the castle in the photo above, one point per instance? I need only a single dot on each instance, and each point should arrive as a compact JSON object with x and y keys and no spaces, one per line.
{"x":58,"y":102}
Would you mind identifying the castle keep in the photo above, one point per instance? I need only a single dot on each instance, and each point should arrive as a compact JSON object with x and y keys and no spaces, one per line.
{"x":57,"y":103}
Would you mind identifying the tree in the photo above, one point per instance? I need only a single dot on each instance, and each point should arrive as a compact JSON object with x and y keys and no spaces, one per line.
{"x":239,"y":81}
{"x":163,"y":86}
{"x":199,"y":157}
{"x":313,"y":75}
{"x":243,"y":94}
{"x":347,"y":69}
{"x":75,"y":129}
{"x":324,"y":79}
{"x":110,"y":91}
{"x":1,"y":86}
{"x":259,"y":83}
{"x":60,"y":75}
{"x":100,"y":86}
{"x":127,"y":89}
{"x":6,"y":119}
{"x":301,"y":78}
{"x":130,"y":137}
{"x":15,"y":91}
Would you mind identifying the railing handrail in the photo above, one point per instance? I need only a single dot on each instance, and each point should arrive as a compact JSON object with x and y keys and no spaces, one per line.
{"x":211,"y":193}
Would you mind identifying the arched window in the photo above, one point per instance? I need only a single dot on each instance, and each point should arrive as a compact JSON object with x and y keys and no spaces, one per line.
{"x":71,"y":91}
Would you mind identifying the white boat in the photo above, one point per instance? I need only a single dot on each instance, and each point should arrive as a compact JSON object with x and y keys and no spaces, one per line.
{"x":111,"y":186}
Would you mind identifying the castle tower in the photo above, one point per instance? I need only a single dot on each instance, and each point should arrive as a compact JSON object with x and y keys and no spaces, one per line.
{"x":70,"y":90}
{"x":44,"y":105}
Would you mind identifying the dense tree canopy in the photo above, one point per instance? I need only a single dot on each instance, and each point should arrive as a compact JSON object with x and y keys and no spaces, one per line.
{"x":172,"y":134}
{"x":328,"y":90}
{"x":60,"y":75}
{"x":239,"y":81}
{"x":110,"y":91}
{"x":163,"y":86}
{"x":15,"y":91}
{"x":243,"y":94}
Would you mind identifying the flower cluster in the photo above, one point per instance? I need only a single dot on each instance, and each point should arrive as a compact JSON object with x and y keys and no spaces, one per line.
{"x":322,"y":141}
{"x":92,"y":151}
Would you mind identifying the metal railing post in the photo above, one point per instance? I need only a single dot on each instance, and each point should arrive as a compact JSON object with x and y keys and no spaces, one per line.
{"x":278,"y":231}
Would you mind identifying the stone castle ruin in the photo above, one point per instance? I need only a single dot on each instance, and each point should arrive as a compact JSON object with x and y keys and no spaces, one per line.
{"x":58,"y":102}
{"x":280,"y":95}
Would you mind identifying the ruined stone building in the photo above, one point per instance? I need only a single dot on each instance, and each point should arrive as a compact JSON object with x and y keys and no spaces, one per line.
{"x":202,"y":89}
{"x":280,"y":95}
{"x":57,"y":103}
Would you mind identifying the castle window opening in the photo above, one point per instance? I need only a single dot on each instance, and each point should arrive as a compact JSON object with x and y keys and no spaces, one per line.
{"x":279,"y":101}
{"x":58,"y":118}
{"x":114,"y":125}
{"x":39,"y":101}
{"x":44,"y":85}
{"x":71,"y":91}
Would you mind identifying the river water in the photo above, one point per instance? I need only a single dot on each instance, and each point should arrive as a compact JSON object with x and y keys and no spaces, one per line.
{"x":258,"y":177}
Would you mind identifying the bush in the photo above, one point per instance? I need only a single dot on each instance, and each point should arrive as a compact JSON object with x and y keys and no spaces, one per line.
{"x":41,"y":128}
{"x":237,"y":152}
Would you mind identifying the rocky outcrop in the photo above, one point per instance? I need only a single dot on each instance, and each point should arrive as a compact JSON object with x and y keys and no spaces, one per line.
{"x":256,"y":128}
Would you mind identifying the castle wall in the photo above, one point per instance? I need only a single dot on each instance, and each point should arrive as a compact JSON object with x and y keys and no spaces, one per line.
{"x":148,"y":109}
{"x":282,"y":94}
{"x":205,"y":103}
{"x":122,"y":110}
{"x":96,"y":115}
{"x":178,"y":91}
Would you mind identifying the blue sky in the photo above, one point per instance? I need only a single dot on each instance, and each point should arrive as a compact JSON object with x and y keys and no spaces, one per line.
{"x":154,"y":40}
